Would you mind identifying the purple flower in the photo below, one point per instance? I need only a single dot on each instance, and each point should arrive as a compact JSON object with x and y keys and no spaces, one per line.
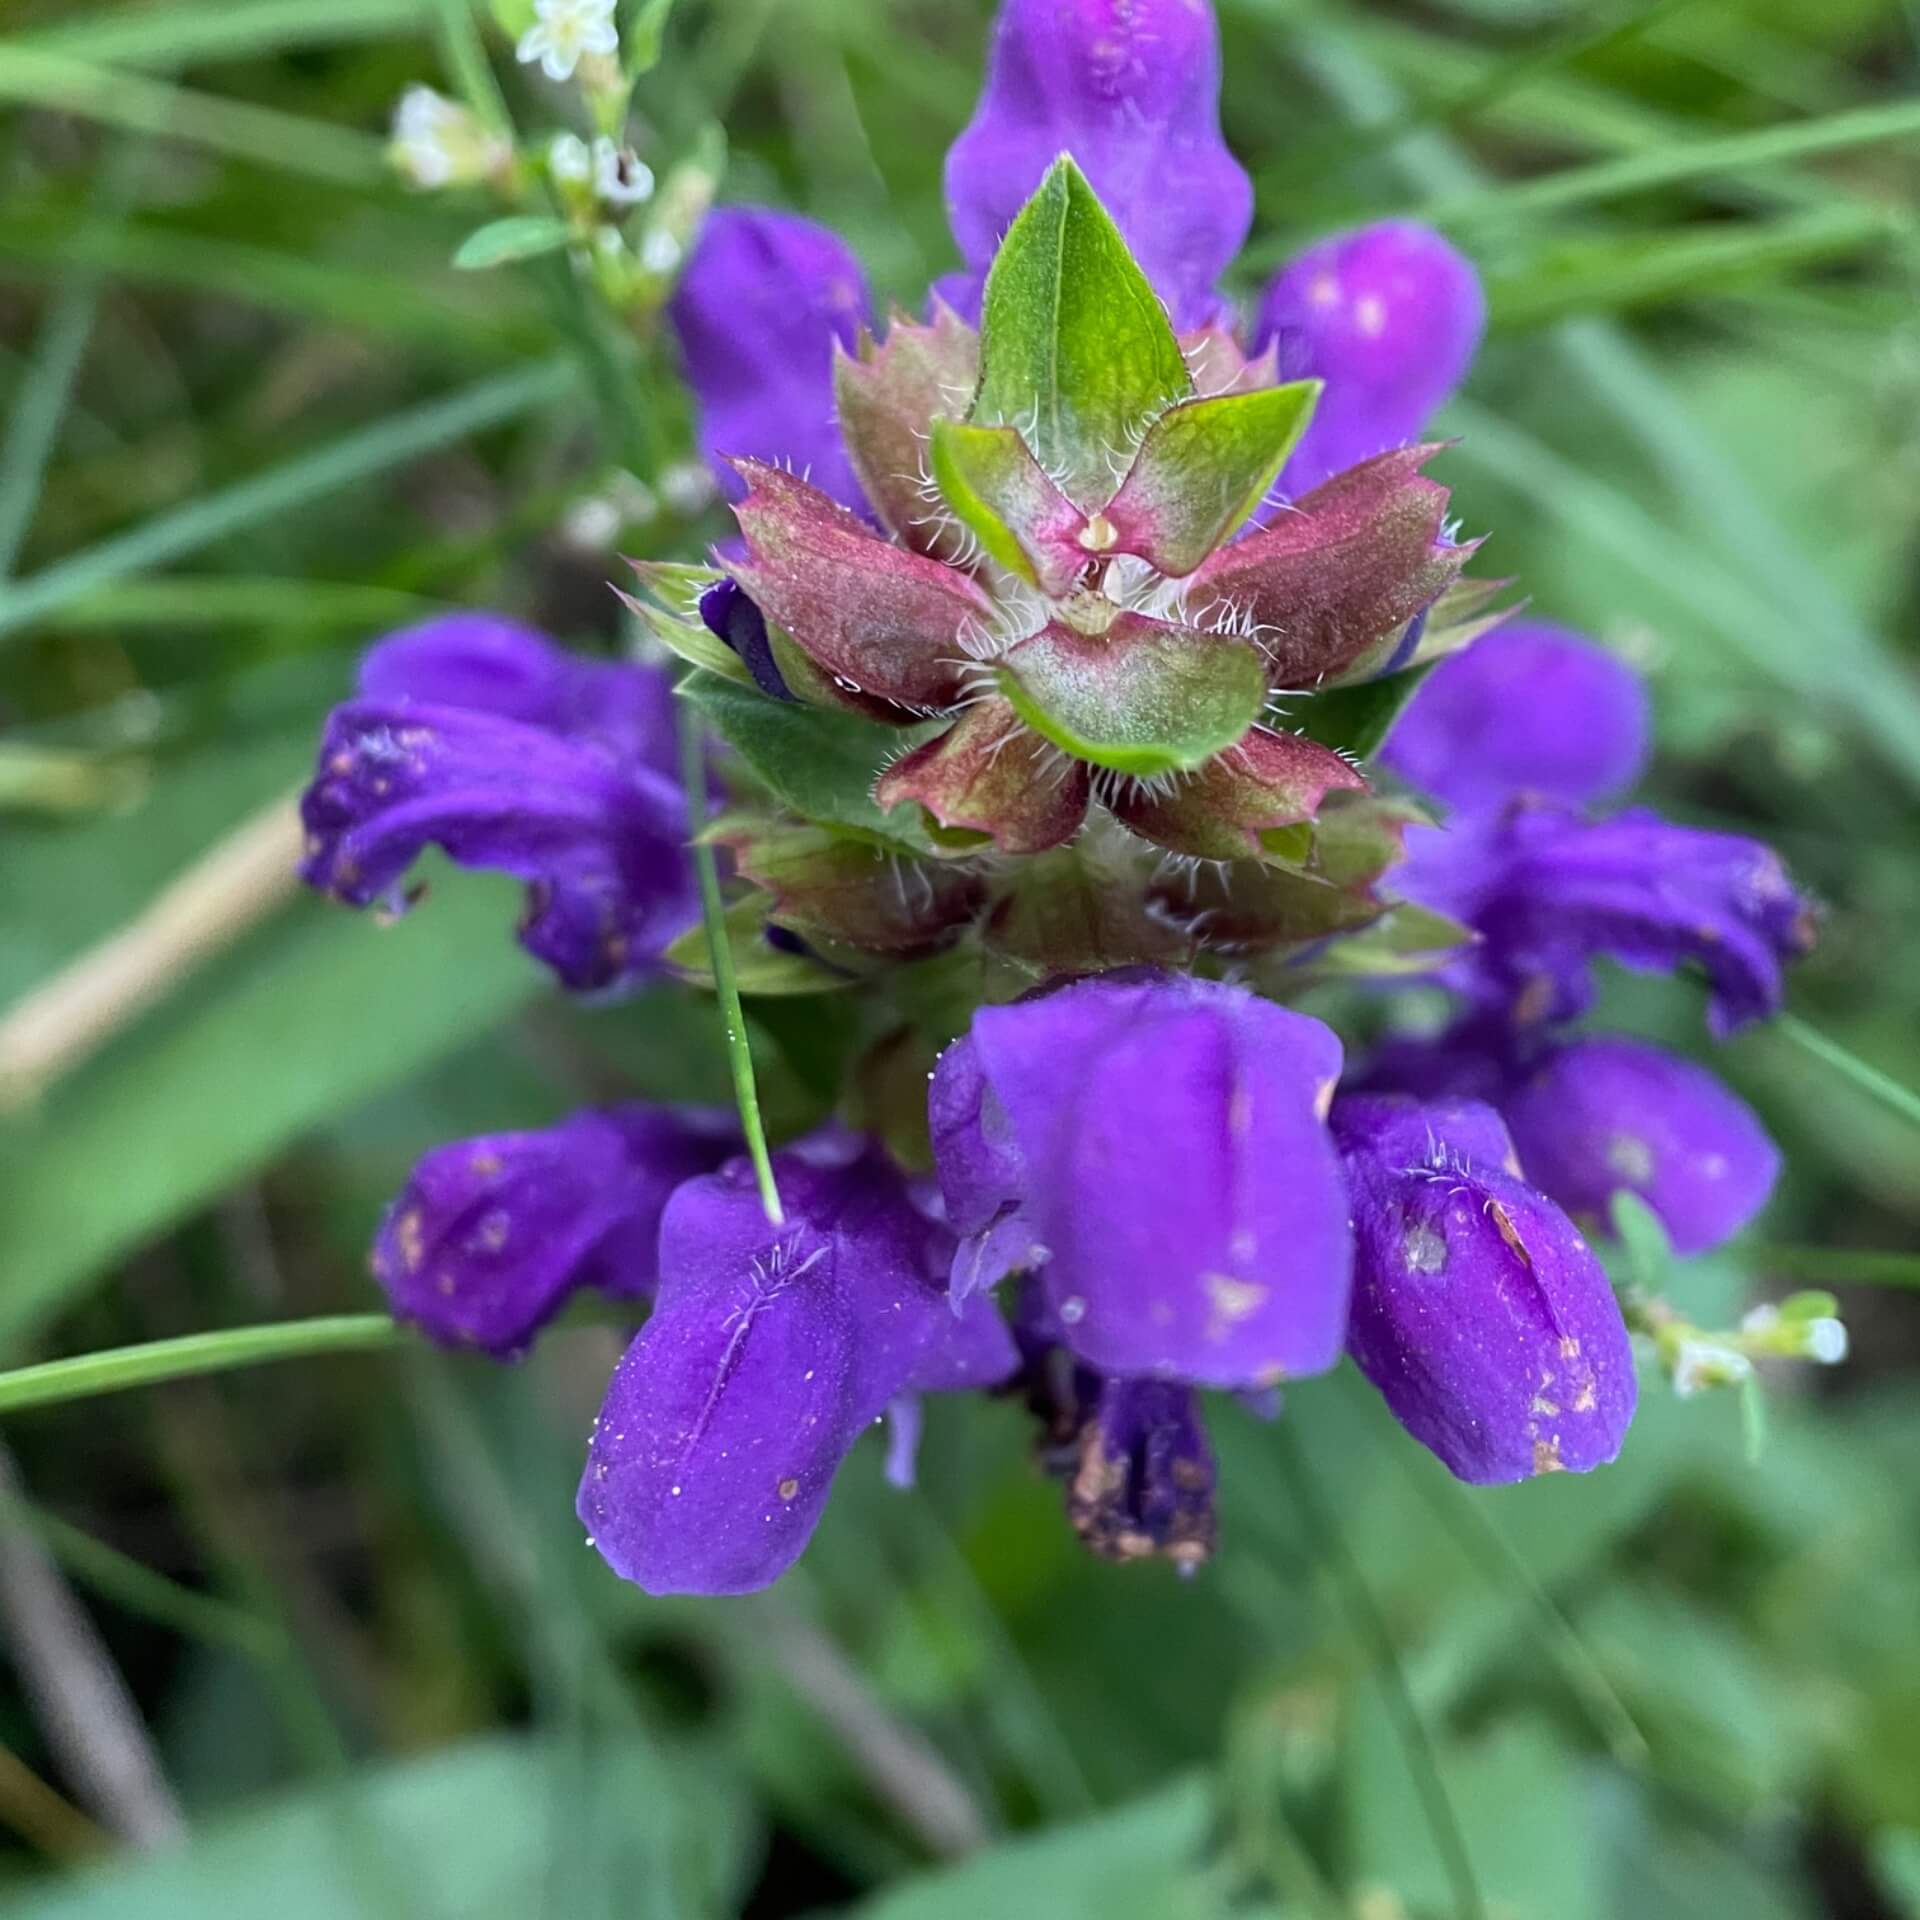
{"x":758,"y":311}
{"x":1143,"y":1480}
{"x":1131,"y":89}
{"x":1479,"y":1313}
{"x":1548,"y":890}
{"x":485,"y":739}
{"x":1603,"y":1115}
{"x":491,"y":1237}
{"x":1526,"y":710}
{"x":1137,"y":1127}
{"x":770,"y":1350}
{"x":1389,"y":317}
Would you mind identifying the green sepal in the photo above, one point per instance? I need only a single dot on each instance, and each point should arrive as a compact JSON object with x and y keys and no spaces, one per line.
{"x":758,"y":966}
{"x":1358,"y":719}
{"x":997,"y":489}
{"x":1203,"y":468}
{"x":1075,"y":348}
{"x":1143,"y":698}
{"x":819,"y":763}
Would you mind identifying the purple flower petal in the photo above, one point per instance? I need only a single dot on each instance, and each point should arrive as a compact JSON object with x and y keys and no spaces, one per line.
{"x":770,"y":1350}
{"x":488,"y":664}
{"x":1389,"y":317}
{"x":1548,"y":890}
{"x":1478,"y":1311}
{"x":496,"y":746}
{"x":758,"y":311}
{"x":491,"y":1237}
{"x":1150,"y":1113}
{"x":1604,"y":1115}
{"x":1527,"y":709}
{"x":1131,"y":89}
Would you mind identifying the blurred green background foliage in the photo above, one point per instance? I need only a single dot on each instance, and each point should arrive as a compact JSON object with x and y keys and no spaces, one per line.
{"x":254,"y":417}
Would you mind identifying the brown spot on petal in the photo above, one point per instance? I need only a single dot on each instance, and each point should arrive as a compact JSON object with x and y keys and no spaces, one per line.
{"x":1546,"y":1456}
{"x":409,"y":1235}
{"x":788,"y":1488}
{"x":1503,"y":1224}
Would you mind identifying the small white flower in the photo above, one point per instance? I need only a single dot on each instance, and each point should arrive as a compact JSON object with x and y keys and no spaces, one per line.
{"x":565,"y":30}
{"x":620,"y":176}
{"x":660,"y":251}
{"x":570,"y":159}
{"x":1699,"y":1364}
{"x":436,"y":142}
{"x":1826,"y":1340}
{"x":687,"y":488}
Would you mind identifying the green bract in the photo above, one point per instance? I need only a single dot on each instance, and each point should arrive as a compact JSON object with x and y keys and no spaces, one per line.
{"x":1054,"y":654}
{"x":1075,"y":348}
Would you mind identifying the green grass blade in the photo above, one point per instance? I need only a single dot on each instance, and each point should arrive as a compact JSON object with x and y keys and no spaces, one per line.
{"x":1677,"y":165}
{"x":146,"y":35}
{"x":356,"y":457}
{"x":238,"y":129}
{"x":33,"y":427}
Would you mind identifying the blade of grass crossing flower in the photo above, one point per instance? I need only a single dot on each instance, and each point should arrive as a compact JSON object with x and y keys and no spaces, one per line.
{"x":282,"y":489}
{"x":1869,"y":1079}
{"x":693,"y":771}
{"x":119,"y":1369}
{"x":1370,"y":1627}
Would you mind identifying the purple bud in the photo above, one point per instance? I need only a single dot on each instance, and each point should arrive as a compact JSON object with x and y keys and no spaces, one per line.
{"x":1602,"y":1115}
{"x":770,"y":1350}
{"x":489,"y":742}
{"x":727,"y":614}
{"x":1131,"y":89}
{"x":1548,"y":891}
{"x":758,"y":310}
{"x":1149,"y":1113}
{"x":1527,"y":709}
{"x":1389,"y":317}
{"x":1478,"y":1311}
{"x":491,"y":1237}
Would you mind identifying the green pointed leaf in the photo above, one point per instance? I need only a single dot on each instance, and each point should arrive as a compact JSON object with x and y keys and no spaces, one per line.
{"x":1203,"y":468}
{"x":1143,"y":698}
{"x":521,"y":236}
{"x":1075,"y":348}
{"x":997,"y":488}
{"x":1357,"y":719}
{"x":819,"y":762}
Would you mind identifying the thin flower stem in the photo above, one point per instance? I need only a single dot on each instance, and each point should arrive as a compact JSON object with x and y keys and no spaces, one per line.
{"x":1869,"y":1079}
{"x":1503,"y":1567}
{"x":116,"y":1369}
{"x":1365,"y":1617}
{"x":746,"y":1095}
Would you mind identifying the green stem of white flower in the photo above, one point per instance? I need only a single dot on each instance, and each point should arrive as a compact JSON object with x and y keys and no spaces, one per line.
{"x":746,"y":1095}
